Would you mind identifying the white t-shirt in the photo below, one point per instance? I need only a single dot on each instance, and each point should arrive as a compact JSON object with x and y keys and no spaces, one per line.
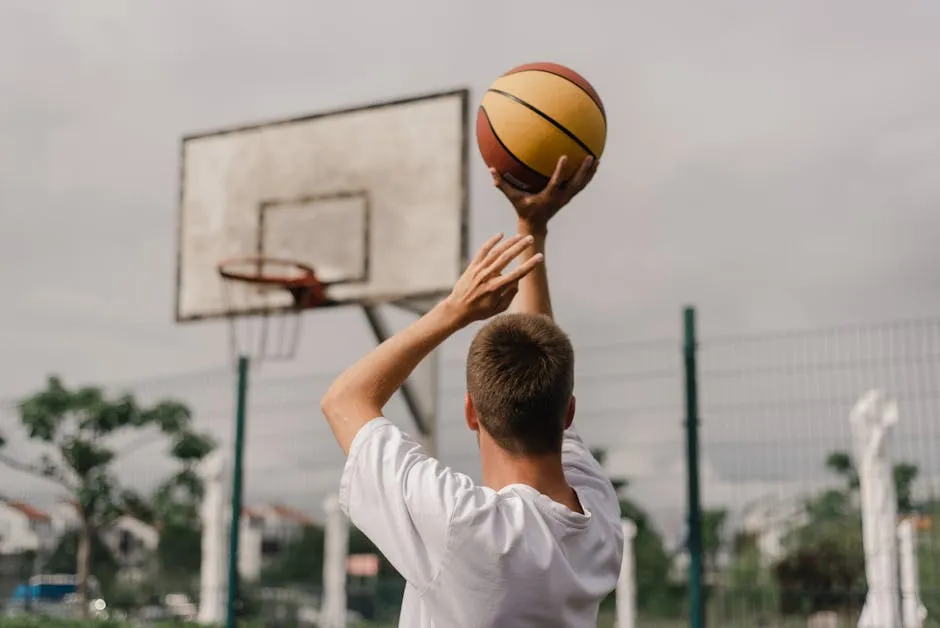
{"x":477,"y":558}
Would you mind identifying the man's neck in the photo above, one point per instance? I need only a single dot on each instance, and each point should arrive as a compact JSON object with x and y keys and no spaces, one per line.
{"x":543,"y":473}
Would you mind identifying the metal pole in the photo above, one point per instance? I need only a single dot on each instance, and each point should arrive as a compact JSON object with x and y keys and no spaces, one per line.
{"x":690,"y":347}
{"x":234,"y":528}
{"x":383,"y":333}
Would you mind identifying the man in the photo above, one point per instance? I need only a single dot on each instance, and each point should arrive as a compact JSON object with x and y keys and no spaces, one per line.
{"x":539,"y":542}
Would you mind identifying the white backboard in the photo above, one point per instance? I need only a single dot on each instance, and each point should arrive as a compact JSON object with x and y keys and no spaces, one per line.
{"x":374,"y":198}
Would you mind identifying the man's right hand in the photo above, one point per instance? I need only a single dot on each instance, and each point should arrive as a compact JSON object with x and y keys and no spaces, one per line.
{"x":535,"y":210}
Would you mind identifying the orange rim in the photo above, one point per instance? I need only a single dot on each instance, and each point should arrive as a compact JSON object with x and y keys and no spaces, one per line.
{"x":296,"y":277}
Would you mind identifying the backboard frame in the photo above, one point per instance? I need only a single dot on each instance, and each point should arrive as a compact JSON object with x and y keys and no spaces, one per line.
{"x":267,"y":207}
{"x":414,"y":302}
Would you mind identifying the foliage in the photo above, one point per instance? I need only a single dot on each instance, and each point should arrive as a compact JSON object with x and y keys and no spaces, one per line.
{"x":301,"y":562}
{"x":53,"y":622}
{"x":78,"y":428}
{"x":655,"y":593}
{"x":301,"y":565}
{"x":713,"y":525}
{"x":179,"y":553}
{"x":905,"y":475}
{"x":825,"y":572}
{"x":824,"y":568}
{"x":64,"y":556}
{"x":748,"y":583}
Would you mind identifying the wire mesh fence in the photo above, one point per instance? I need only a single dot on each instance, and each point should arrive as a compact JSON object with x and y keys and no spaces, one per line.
{"x":781,"y":524}
{"x":782,"y":528}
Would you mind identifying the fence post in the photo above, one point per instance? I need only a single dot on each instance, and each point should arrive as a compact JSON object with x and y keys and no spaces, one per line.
{"x":234,"y":529}
{"x":694,"y":543}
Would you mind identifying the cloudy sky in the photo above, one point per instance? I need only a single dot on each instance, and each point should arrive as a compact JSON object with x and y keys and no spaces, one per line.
{"x":774,"y":163}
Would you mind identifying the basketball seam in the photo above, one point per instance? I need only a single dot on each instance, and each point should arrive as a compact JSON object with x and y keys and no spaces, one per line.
{"x":547,"y":118}
{"x":499,"y":141}
{"x":600,"y":107}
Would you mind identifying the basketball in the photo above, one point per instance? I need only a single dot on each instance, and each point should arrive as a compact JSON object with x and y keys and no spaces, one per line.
{"x":534,"y":114}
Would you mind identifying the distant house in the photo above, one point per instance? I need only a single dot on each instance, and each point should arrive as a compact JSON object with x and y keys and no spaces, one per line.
{"x":24,"y":528}
{"x":769,"y":522}
{"x":280,"y":526}
{"x":266,"y":531}
{"x":65,"y":517}
{"x":133,"y":543}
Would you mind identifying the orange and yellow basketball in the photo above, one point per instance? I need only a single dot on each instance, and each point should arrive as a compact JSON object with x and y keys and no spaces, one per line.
{"x":534,"y":114}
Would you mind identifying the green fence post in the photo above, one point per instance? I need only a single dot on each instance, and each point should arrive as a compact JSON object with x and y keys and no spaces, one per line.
{"x":236,"y":491}
{"x":690,"y":347}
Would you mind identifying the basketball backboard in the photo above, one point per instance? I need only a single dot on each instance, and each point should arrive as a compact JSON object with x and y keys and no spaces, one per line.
{"x":374,"y":198}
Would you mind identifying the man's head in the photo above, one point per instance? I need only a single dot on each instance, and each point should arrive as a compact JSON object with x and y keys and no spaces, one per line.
{"x":520,"y":378}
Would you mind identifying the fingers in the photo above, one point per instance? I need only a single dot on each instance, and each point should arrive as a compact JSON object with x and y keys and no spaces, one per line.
{"x":512,"y":278}
{"x":500,"y":256}
{"x":556,"y":183}
{"x":506,"y":296}
{"x":486,"y":248}
{"x":511,"y":192}
{"x":585,"y":174}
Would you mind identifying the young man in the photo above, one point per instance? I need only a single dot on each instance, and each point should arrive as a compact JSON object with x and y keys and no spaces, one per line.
{"x":538,"y":543}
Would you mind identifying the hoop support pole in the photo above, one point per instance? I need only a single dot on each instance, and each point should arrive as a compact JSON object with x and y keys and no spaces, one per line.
{"x":424,"y":415}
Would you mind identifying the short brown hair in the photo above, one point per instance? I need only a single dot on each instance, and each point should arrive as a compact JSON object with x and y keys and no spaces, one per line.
{"x":520,"y":377}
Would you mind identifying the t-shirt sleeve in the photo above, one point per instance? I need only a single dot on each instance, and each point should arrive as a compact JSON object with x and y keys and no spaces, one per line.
{"x":584,"y":473}
{"x":402,"y":499}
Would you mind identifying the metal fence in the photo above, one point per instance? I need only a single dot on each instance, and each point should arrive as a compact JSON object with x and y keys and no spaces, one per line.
{"x":781,"y":529}
{"x":779,"y":524}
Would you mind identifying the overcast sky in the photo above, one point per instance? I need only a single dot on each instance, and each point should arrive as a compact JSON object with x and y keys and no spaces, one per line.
{"x":774,"y":163}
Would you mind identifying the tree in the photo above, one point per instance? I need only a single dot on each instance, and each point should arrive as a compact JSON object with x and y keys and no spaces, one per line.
{"x":713,"y":525}
{"x":653,"y":561}
{"x":301,"y":562}
{"x":825,"y":565}
{"x":840,"y":463}
{"x":65,"y":555}
{"x":78,"y":427}
{"x":905,"y":474}
{"x":174,"y":508}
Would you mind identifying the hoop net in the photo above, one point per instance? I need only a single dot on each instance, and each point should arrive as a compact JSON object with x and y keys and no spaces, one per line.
{"x":269,"y":333}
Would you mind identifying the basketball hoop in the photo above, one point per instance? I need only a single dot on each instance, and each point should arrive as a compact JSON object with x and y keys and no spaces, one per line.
{"x":297,"y":278}
{"x":266,"y":274}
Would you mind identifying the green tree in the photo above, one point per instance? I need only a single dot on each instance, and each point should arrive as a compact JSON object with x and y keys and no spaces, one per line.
{"x":713,"y":526}
{"x":174,"y":509}
{"x":65,"y":555}
{"x":301,"y":562}
{"x":824,"y":566}
{"x":840,"y":463}
{"x":653,"y":589}
{"x":749,"y":584}
{"x":905,"y":475}
{"x":78,"y":427}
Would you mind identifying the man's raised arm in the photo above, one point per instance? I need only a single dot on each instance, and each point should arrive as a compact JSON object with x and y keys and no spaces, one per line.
{"x":534,"y":212}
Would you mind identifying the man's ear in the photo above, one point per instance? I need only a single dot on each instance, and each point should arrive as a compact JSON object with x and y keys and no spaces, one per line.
{"x":569,"y":417}
{"x":470,"y":412}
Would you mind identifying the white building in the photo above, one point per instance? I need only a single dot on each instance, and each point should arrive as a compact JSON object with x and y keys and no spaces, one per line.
{"x":281,"y":525}
{"x":64,"y":515}
{"x":770,"y":521}
{"x":24,"y":528}
{"x":266,"y":531}
{"x":131,"y":541}
{"x":133,"y":544}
